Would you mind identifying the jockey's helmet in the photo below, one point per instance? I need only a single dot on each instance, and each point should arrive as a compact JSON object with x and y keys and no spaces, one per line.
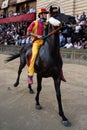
{"x":42,"y":10}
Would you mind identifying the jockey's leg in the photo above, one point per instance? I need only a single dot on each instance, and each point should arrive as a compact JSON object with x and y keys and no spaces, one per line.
{"x":35,"y":49}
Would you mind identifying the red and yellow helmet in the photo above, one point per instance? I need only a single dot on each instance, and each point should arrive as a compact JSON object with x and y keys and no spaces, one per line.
{"x":42,"y":10}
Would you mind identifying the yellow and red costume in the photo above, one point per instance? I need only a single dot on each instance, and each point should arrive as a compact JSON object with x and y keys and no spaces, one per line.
{"x":36,"y":27}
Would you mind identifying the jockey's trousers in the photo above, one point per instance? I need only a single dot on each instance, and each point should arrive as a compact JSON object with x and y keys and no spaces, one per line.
{"x":35,"y":48}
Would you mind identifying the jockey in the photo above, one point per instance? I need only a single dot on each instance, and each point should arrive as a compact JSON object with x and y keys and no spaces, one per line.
{"x":36,"y":29}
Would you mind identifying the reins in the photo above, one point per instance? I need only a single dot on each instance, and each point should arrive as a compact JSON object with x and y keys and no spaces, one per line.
{"x":54,"y":31}
{"x":49,"y":34}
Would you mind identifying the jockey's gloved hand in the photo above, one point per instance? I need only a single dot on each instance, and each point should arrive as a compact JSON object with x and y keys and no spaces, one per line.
{"x":44,"y":37}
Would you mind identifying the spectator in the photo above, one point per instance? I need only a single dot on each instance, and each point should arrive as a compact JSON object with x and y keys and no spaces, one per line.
{"x":77,"y":18}
{"x":19,"y":40}
{"x":68,"y":45}
{"x":5,"y":42}
{"x":28,"y":40}
{"x":16,"y":38}
{"x":78,"y":45}
{"x":83,"y":17}
{"x":32,"y":10}
{"x":23,"y":42}
{"x":61,"y":37}
{"x":77,"y":30}
{"x":1,"y":16}
{"x":14,"y":14}
{"x":63,"y":42}
{"x":69,"y":32}
{"x":85,"y":45}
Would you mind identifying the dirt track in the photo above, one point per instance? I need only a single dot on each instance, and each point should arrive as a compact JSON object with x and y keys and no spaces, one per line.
{"x":17,"y":106}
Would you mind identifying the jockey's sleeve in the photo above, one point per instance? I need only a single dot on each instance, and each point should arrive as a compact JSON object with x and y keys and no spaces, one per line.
{"x":30,"y":28}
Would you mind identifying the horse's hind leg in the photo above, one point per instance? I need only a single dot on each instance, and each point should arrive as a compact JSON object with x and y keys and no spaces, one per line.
{"x":65,"y":121}
{"x":21,"y":66}
{"x":39,"y":87}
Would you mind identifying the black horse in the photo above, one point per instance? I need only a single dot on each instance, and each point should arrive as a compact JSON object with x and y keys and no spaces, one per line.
{"x":48,"y":64}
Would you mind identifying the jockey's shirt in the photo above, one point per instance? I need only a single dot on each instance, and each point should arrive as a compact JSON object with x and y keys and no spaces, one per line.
{"x":37,"y":27}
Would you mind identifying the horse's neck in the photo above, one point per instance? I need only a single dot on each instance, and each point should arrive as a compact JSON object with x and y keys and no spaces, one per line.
{"x":56,"y":39}
{"x":54,"y":44}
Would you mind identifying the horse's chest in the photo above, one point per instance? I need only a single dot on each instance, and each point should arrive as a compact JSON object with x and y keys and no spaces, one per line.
{"x":47,"y":62}
{"x":44,"y":59}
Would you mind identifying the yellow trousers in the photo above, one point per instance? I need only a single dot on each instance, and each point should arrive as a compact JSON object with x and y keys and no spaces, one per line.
{"x":35,"y":48}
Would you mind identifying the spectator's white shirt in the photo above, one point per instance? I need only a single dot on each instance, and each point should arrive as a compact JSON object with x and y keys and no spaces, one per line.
{"x":23,"y":41}
{"x":61,"y":37}
{"x":68,"y":45}
{"x":15,"y":14}
{"x":77,"y":46}
{"x":27,"y":40}
{"x":77,"y":28}
{"x":5,"y":43}
{"x":32,"y":10}
{"x":16,"y":37}
{"x":82,"y":23}
{"x":77,"y":19}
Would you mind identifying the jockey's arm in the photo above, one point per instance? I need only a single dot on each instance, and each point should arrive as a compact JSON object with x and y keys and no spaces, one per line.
{"x":30,"y":32}
{"x":35,"y":35}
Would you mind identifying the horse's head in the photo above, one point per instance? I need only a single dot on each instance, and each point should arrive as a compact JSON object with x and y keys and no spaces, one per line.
{"x":62,"y":18}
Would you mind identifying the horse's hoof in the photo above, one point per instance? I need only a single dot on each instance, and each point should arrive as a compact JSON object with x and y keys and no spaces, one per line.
{"x":15,"y":84}
{"x":31,"y":92}
{"x":66,"y":123}
{"x":38,"y":107}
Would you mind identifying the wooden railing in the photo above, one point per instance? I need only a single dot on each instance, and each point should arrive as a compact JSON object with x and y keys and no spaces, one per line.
{"x":78,"y":56}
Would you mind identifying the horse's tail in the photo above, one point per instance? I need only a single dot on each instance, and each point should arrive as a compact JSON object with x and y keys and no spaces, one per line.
{"x":12,"y":57}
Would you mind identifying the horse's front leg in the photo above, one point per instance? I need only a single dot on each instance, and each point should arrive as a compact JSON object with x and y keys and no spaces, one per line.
{"x":39,"y":87}
{"x":30,"y":89}
{"x":65,"y":121}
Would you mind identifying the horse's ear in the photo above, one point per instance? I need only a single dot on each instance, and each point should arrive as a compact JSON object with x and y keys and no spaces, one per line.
{"x":51,"y":10}
{"x":59,"y":10}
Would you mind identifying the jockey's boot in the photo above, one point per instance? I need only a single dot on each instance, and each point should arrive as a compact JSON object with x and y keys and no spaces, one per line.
{"x":30,"y":80}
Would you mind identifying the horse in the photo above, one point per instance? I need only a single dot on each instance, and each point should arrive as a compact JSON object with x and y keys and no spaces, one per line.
{"x":48,"y":64}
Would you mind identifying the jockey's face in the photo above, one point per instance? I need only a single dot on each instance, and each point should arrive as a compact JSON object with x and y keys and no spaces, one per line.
{"x":43,"y":15}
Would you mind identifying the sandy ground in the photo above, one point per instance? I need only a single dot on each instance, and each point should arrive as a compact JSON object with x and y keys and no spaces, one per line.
{"x":17,"y":106}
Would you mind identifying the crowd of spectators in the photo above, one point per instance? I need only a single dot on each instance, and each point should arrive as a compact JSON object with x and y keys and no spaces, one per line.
{"x":13,"y":33}
{"x":16,"y":34}
{"x":75,"y":36}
